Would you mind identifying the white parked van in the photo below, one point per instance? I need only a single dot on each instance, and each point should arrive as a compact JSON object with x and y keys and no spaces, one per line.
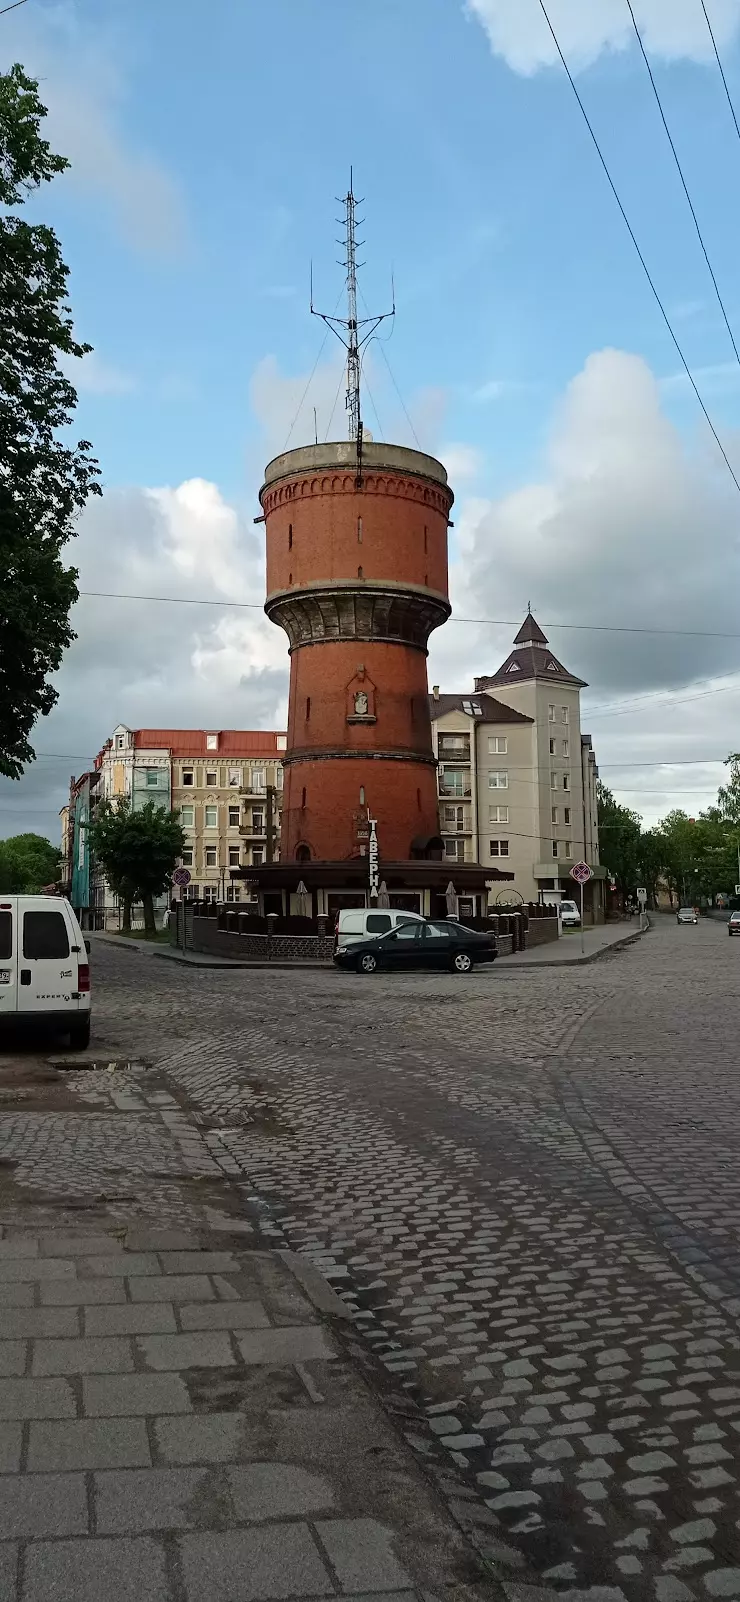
{"x":44,"y":970}
{"x":361,"y":923}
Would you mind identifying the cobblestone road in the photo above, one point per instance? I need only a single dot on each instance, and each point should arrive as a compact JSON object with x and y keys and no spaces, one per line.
{"x":527,"y":1188}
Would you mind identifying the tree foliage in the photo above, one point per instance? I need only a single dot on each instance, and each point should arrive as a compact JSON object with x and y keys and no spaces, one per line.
{"x":28,"y":863}
{"x":138,"y":852}
{"x":44,"y":482}
{"x":695,"y":858}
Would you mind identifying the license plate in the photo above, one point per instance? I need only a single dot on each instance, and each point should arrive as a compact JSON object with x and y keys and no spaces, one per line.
{"x":5,"y":976}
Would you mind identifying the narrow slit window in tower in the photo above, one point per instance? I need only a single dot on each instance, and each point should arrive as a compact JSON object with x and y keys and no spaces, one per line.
{"x":290,"y":536}
{"x":308,"y":707}
{"x":303,"y":797}
{"x":360,"y":573}
{"x":359,"y":530}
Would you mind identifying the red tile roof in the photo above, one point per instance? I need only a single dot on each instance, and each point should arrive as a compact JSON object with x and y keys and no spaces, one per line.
{"x":192,"y":742}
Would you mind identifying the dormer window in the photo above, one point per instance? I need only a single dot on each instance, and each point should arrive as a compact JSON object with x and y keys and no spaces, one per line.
{"x":513,"y":668}
{"x":211,"y":742}
{"x":552,"y":667}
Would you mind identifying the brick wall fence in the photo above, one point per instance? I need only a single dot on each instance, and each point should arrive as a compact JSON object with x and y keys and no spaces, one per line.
{"x":226,"y":932}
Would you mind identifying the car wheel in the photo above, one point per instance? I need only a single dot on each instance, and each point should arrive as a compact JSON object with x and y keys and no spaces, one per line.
{"x":462,"y":962}
{"x":367,"y":963}
{"x":79,"y":1034}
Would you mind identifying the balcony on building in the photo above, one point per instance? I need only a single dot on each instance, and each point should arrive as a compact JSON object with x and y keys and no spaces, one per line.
{"x":454,"y":781}
{"x":454,"y":748}
{"x":456,"y":820}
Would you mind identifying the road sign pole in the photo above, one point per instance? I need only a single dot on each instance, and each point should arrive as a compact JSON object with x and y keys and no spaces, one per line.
{"x":583,"y":938}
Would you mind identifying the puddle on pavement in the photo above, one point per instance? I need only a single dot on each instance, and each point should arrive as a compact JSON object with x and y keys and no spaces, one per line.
{"x":110,"y":1065}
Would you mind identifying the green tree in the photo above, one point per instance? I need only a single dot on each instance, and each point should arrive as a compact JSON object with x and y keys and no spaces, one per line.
{"x":44,"y":483}
{"x":138,"y":852}
{"x":28,"y":863}
{"x":619,"y":840}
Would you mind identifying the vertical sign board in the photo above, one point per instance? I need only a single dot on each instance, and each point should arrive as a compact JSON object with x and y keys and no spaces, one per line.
{"x":373,"y":860}
{"x":181,"y":877}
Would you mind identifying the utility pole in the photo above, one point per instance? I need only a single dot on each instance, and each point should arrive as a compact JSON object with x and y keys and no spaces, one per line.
{"x":269,"y":819}
{"x":349,"y":329}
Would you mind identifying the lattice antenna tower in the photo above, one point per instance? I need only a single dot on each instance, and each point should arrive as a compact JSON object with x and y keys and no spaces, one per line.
{"x":353,"y":331}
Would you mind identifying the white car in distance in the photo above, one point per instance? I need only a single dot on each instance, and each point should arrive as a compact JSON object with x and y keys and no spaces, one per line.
{"x":569,"y":915}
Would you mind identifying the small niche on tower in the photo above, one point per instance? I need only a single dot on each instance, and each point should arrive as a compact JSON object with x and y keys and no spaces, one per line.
{"x":361,"y":698}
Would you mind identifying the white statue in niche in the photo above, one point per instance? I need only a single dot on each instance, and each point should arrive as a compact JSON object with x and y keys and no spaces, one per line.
{"x":362,"y":705}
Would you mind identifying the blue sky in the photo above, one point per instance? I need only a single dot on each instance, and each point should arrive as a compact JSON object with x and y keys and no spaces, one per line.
{"x":208,"y":146}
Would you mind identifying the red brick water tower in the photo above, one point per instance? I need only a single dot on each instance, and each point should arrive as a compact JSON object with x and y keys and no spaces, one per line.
{"x":357,"y":578}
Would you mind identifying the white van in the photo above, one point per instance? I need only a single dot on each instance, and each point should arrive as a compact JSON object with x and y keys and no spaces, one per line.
{"x":361,"y":923}
{"x":570,"y":917}
{"x":44,"y":970}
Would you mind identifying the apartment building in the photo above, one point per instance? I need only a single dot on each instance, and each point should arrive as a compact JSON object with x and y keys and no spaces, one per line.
{"x":517,"y":778}
{"x":227,"y":786}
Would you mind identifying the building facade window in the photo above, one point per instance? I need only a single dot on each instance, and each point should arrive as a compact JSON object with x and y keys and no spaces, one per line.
{"x":566,"y":748}
{"x":554,"y":816}
{"x":233,"y":892}
{"x":454,"y":781}
{"x":498,"y":744}
{"x":211,"y":857}
{"x":498,"y":781}
{"x":211,"y":780}
{"x":258,"y":779}
{"x":568,"y":850}
{"x":566,"y":781}
{"x":235,"y":778}
{"x":551,"y":714}
{"x":188,"y":777}
{"x":563,"y":714}
{"x":258,"y":820}
{"x":211,"y":817}
{"x":555,"y":849}
{"x":210,"y":892}
{"x":211,"y":742}
{"x":553,"y":781}
{"x":152,"y":778}
{"x":258,"y":856}
{"x":566,"y":817}
{"x":233,"y":856}
{"x":552,"y":748}
{"x":233,"y":817}
{"x":499,"y":848}
{"x":455,"y":850}
{"x":498,"y":814}
{"x":187,"y":857}
{"x":187,"y":817}
{"x":279,"y":778}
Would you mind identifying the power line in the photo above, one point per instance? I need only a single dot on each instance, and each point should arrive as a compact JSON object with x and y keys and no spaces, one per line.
{"x":488,"y":622}
{"x":14,"y":7}
{"x":669,"y":136}
{"x":721,"y":69}
{"x":643,"y":263}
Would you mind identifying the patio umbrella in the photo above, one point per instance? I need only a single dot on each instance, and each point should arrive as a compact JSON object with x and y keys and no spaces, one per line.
{"x":384,"y":899}
{"x":303,"y":910}
{"x":451,"y":899}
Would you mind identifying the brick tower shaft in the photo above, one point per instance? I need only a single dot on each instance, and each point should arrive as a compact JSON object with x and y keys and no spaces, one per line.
{"x":357,"y":577}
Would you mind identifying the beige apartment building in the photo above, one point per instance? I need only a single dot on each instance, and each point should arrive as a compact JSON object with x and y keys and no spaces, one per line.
{"x":227,"y":785}
{"x":517,"y":778}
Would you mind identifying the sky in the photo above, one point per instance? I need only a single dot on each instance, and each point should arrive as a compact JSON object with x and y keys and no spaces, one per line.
{"x":207,"y":148}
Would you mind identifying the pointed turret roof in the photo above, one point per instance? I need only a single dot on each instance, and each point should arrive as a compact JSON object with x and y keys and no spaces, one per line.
{"x":531,"y":658}
{"x":530,"y":632}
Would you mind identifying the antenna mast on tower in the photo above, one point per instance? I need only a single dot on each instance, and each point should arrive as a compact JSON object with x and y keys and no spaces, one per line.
{"x":349,"y":329}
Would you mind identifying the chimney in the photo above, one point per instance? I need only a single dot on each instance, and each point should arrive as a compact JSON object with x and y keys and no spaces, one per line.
{"x":435,"y":692}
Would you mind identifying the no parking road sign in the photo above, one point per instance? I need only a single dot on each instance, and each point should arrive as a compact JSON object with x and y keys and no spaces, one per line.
{"x":182,"y":877}
{"x":581,"y":873}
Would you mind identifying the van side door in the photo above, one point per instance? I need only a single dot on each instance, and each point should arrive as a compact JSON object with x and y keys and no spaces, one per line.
{"x":8,"y":959}
{"x":47,"y":967}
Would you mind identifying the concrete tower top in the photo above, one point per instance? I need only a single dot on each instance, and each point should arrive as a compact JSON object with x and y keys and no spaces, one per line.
{"x":343,"y":454}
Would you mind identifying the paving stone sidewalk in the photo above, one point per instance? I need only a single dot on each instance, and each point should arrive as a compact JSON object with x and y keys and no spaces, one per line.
{"x":178,"y":1420}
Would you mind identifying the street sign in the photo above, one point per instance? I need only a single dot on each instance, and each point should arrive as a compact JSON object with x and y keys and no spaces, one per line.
{"x":737,"y":889}
{"x":642,"y":897}
{"x":182,"y":877}
{"x":581,"y":872}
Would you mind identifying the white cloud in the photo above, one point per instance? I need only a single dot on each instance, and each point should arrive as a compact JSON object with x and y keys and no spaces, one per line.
{"x":93,"y":376}
{"x":149,"y":663}
{"x":627,"y":524}
{"x":83,"y":86}
{"x":673,"y":29}
{"x":463,"y":462}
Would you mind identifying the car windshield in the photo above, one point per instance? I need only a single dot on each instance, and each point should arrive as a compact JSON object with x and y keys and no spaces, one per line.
{"x":689,"y":911}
